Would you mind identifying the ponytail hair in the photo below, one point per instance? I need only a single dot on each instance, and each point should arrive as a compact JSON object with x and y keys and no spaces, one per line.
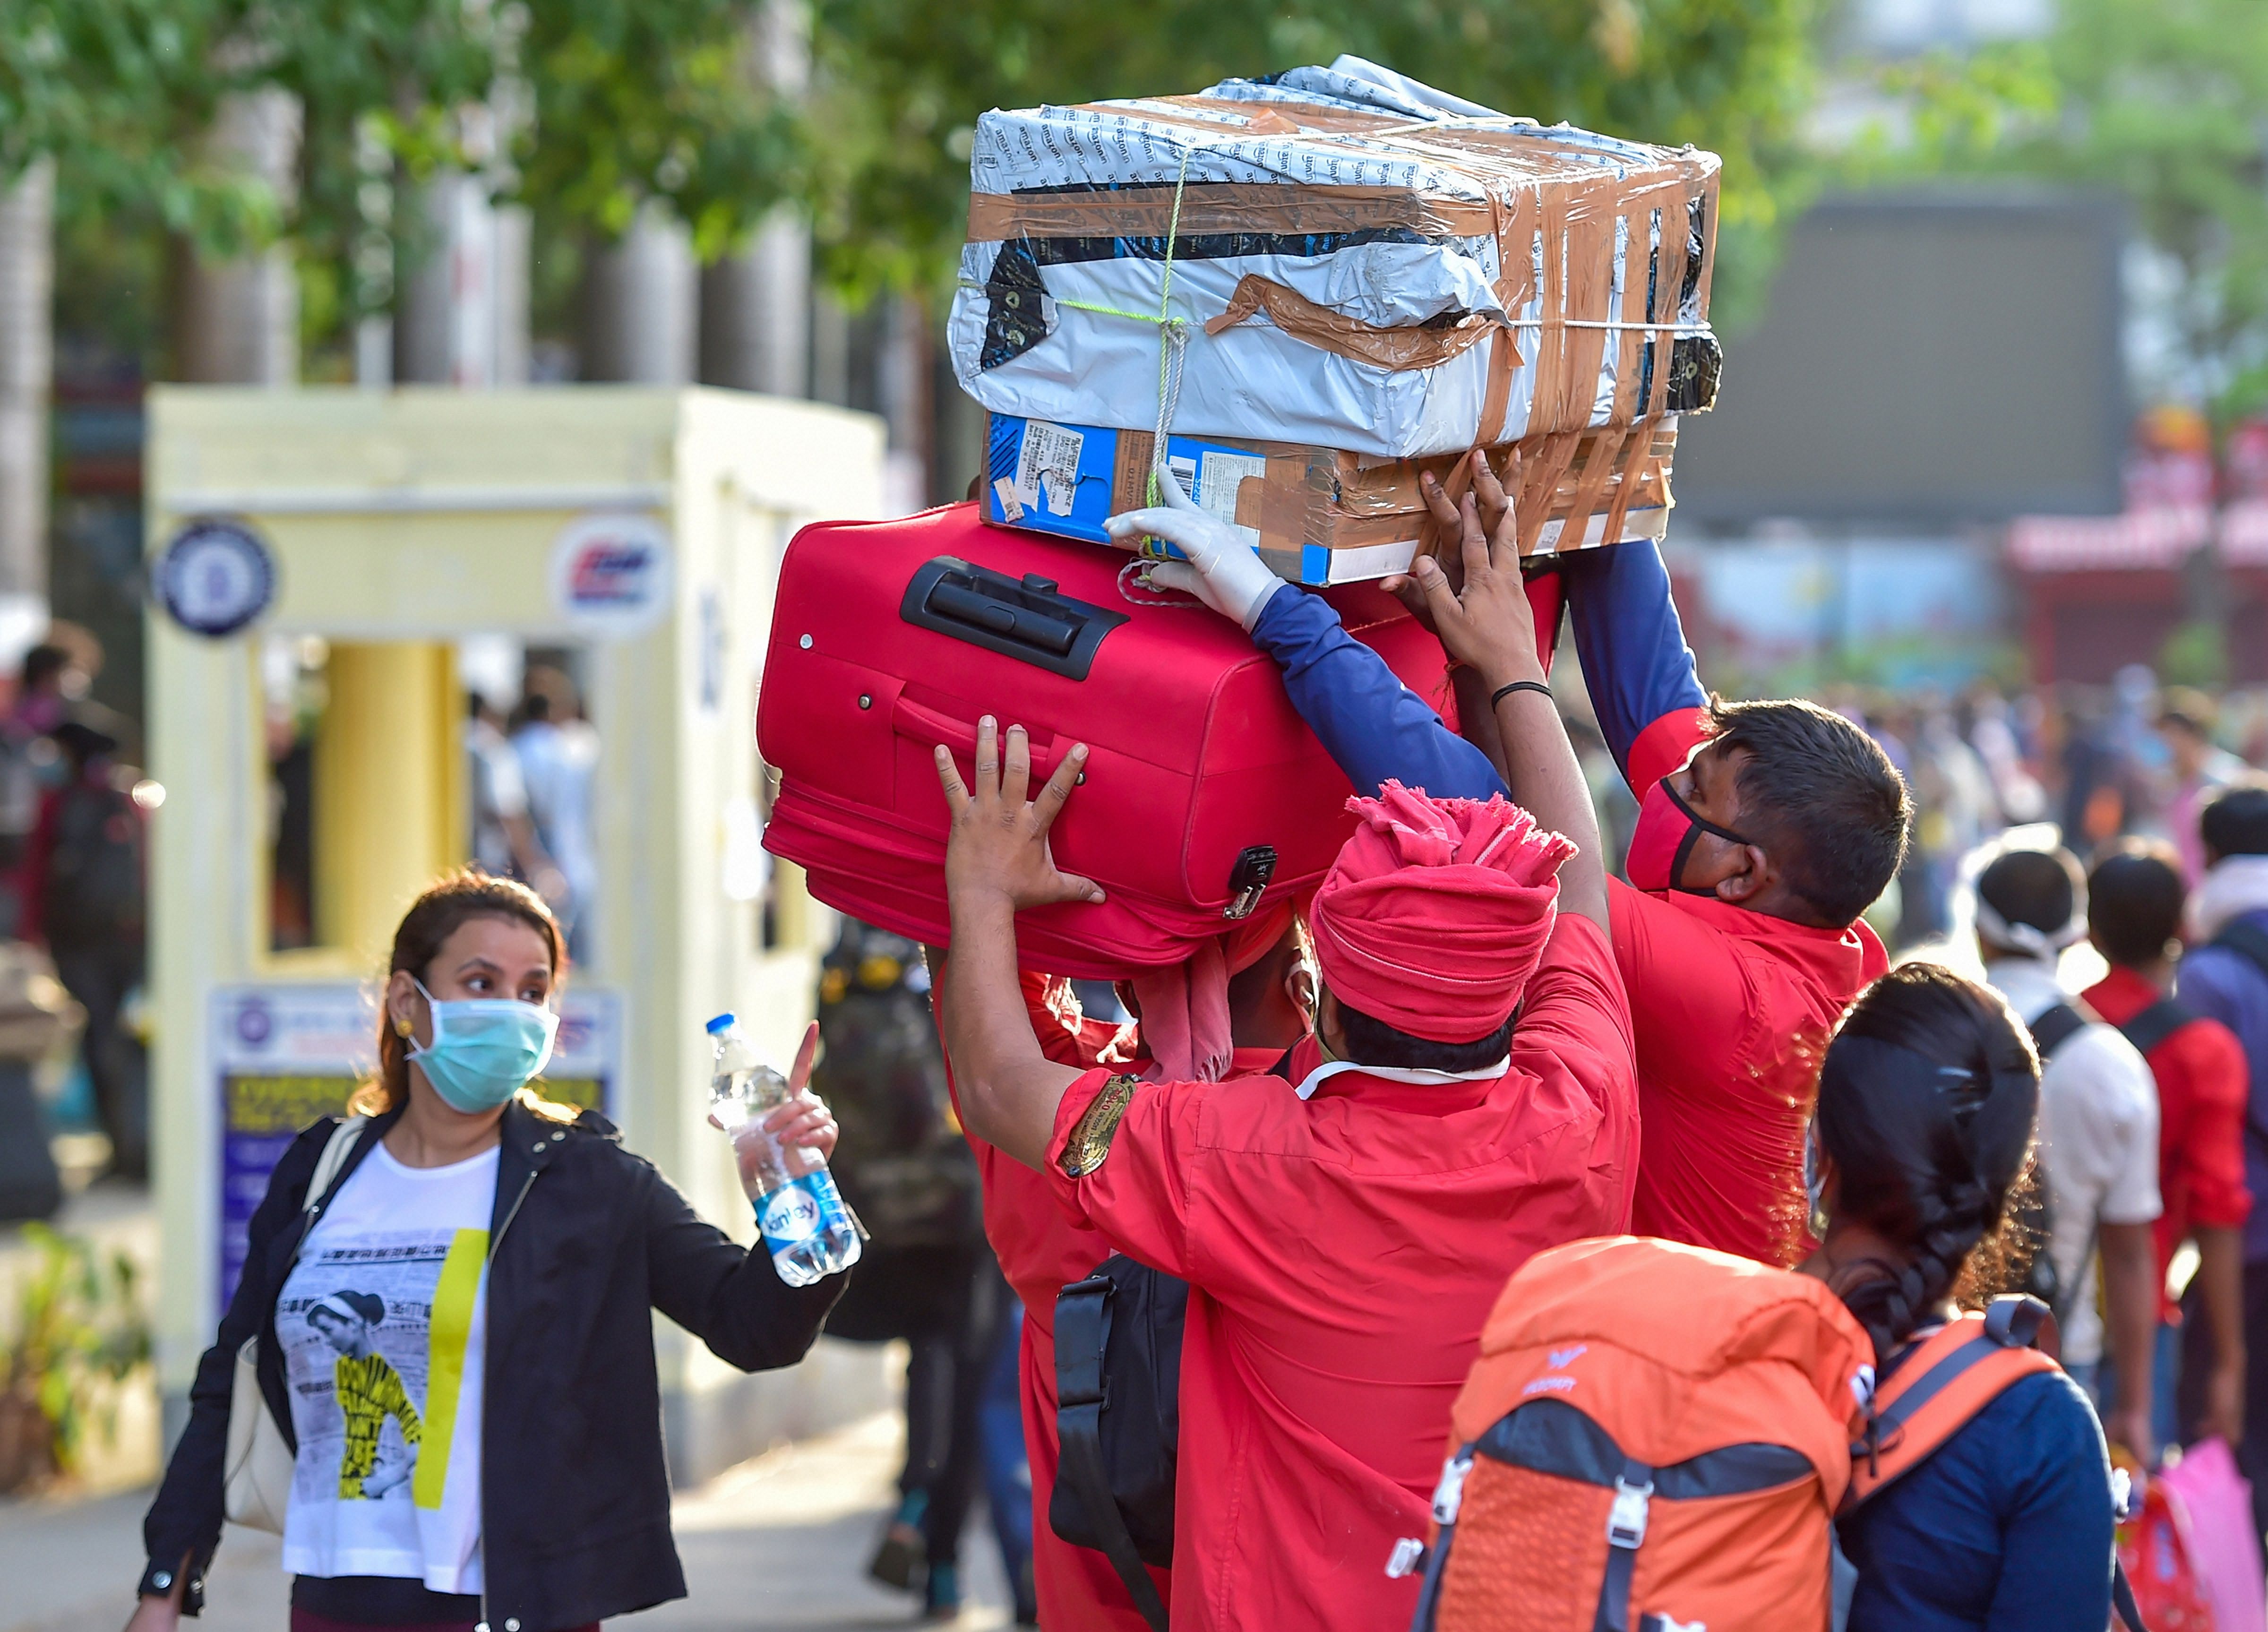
{"x":447,"y":904}
{"x":1927,"y":1098}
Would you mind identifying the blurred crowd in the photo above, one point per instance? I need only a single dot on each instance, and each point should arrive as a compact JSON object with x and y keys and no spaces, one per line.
{"x":2130,"y":760}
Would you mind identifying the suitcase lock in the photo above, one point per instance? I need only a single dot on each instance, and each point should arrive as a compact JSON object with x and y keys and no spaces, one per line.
{"x":1248,"y":880}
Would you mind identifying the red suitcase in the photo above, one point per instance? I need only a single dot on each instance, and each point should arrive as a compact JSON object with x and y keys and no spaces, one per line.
{"x":1205,"y":791}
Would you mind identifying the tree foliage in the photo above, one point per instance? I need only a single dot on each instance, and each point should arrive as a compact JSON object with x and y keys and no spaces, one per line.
{"x":2160,"y":101}
{"x":901,"y":86}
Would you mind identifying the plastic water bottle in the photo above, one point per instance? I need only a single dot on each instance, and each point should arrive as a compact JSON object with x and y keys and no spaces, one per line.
{"x":807,"y":1228}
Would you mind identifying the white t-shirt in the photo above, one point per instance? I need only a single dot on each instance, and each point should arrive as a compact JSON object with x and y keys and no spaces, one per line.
{"x":2098,"y":1144}
{"x":384,"y":1323}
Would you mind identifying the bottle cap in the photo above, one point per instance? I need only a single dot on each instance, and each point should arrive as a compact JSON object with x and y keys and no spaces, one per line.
{"x":722,"y":1022}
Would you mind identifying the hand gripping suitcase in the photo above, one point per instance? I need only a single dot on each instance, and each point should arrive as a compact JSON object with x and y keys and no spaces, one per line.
{"x":1205,"y":792}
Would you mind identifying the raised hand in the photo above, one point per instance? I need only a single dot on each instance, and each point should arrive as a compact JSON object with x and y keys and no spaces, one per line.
{"x":1223,"y":571}
{"x":997,"y":845}
{"x":803,"y":1122}
{"x":1488,"y":621}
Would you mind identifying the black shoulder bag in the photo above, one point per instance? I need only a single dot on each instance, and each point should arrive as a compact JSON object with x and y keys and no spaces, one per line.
{"x":1118,"y":1375}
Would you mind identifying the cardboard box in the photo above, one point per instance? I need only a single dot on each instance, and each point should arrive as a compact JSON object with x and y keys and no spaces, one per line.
{"x":1322,"y":515}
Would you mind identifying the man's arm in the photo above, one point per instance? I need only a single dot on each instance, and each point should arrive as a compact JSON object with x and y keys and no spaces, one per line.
{"x":1490,"y":626}
{"x":1636,"y":663}
{"x":2211,"y":1159}
{"x":2129,"y":1300}
{"x":996,"y":861}
{"x":1374,"y":727}
{"x":2221,"y":1289}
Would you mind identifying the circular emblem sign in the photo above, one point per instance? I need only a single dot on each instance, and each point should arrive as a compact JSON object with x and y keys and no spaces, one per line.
{"x":610,"y":573}
{"x":214,"y":577}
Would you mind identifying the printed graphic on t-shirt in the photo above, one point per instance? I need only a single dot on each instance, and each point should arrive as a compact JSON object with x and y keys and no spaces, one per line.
{"x":374,"y":1331}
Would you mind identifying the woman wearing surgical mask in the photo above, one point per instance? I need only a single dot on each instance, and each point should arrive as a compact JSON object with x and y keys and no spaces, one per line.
{"x":455,"y":1330}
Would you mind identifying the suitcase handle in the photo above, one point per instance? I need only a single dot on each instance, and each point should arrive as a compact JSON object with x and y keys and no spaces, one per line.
{"x":929,"y":728}
{"x":1028,"y":619}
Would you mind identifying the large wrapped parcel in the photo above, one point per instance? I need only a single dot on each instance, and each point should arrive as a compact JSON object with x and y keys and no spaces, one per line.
{"x":1338,"y":258}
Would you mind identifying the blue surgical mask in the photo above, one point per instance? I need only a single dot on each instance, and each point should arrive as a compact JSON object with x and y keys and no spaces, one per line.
{"x":484,"y":1049}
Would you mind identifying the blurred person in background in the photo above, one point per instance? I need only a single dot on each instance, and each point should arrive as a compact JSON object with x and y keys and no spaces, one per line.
{"x":2098,"y":1137}
{"x":2198,"y":768}
{"x":1992,"y":733}
{"x":86,"y":891}
{"x":926,"y":1275}
{"x":505,"y":841}
{"x":30,"y":763}
{"x":2134,"y":902}
{"x":2224,"y":976}
{"x":558,"y":753}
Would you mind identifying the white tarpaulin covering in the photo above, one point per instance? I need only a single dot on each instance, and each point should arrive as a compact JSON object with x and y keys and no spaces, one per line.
{"x":1357,"y":261}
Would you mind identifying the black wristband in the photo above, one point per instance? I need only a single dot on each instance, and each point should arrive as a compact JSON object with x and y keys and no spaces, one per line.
{"x":1502,"y":692}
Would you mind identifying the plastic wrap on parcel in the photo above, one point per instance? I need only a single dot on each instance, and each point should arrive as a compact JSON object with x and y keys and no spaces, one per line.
{"x":1323,"y":515}
{"x":1357,"y":263}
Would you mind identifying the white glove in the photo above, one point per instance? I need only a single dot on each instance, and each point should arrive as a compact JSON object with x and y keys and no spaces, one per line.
{"x":1223,"y":571}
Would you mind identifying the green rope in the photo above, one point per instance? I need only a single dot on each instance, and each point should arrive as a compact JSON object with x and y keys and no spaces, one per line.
{"x":1173,"y":334}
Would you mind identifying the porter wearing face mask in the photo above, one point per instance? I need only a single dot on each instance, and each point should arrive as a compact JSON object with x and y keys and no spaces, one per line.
{"x":468,"y":1231}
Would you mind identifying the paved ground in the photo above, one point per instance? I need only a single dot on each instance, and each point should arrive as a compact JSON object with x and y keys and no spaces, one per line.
{"x":775,"y":1545}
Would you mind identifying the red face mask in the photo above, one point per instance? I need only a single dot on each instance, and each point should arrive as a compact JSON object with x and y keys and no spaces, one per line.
{"x":1666,"y":832}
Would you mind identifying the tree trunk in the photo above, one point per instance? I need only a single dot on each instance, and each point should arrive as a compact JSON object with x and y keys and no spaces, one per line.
{"x":237,"y":322}
{"x":27,"y":278}
{"x":641,"y":299}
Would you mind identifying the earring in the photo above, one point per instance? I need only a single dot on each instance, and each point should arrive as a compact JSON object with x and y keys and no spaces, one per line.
{"x":400,"y":1027}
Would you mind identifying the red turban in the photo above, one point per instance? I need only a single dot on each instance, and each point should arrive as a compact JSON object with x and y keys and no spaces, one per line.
{"x":1436,"y":912}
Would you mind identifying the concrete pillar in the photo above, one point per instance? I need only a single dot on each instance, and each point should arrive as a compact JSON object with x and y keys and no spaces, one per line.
{"x":755,"y":302}
{"x":236,"y":321}
{"x":755,"y":312}
{"x":389,"y":788}
{"x":27,"y":278}
{"x":462,"y":297}
{"x":641,"y":302}
{"x":903,"y":381}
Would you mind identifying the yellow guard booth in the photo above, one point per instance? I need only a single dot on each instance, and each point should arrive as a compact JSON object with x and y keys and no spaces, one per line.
{"x":336,"y":574}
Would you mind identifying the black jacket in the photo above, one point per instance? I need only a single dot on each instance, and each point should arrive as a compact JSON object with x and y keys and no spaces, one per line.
{"x":585,"y":1239}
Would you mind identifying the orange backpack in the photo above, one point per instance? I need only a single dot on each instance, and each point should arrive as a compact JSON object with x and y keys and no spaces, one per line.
{"x":1657,"y":1437}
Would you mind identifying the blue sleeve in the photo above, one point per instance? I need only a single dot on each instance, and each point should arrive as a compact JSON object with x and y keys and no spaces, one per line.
{"x":1636,"y":663}
{"x":1374,"y":726}
{"x":2056,"y":1531}
{"x":2007,"y":1528}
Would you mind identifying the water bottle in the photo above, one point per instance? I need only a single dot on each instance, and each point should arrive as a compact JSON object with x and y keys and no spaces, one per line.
{"x":807,"y":1228}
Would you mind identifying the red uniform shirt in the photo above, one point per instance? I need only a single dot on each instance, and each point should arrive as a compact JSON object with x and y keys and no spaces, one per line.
{"x":2204,"y":1085}
{"x":1343,"y":1253}
{"x":1731,"y":1011}
{"x":1042,"y":1250}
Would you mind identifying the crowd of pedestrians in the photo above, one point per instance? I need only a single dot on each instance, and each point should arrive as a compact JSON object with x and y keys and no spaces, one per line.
{"x":1746,"y":1279}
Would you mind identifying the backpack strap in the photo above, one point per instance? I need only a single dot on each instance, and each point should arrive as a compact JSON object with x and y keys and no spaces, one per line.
{"x":2157,"y":1022}
{"x":1082,"y":1334}
{"x":1936,"y":1386}
{"x":2248,"y":941}
{"x":2055,"y":1027}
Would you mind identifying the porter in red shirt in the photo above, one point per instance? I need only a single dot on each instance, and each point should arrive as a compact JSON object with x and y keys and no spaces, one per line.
{"x":1343,"y":1253}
